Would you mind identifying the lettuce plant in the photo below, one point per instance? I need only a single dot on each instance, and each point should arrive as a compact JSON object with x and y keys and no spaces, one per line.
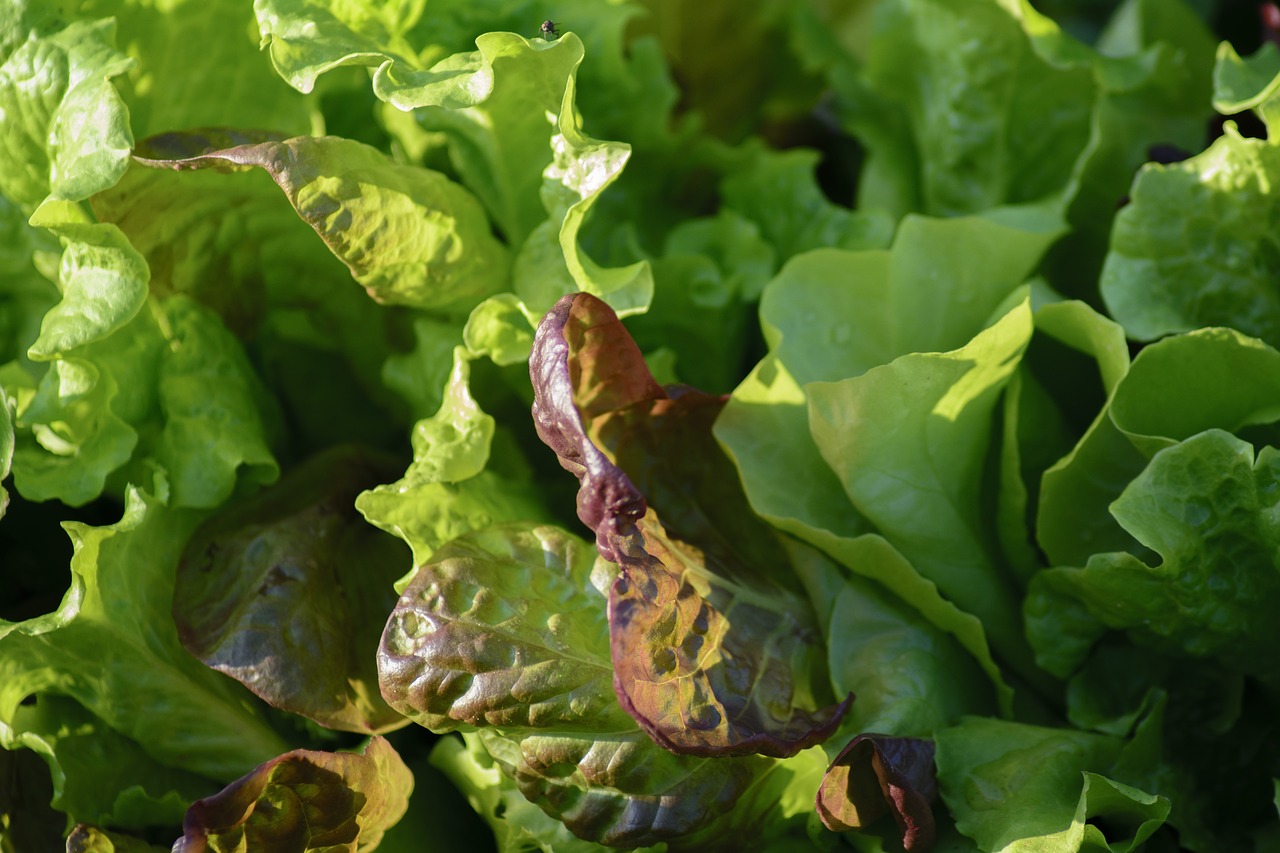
{"x":716,"y":426}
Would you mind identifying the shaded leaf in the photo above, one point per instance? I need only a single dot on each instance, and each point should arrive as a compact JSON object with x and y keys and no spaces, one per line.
{"x":875,"y":774}
{"x":287,"y":591}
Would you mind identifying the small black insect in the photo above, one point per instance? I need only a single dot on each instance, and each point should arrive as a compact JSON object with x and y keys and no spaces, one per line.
{"x":549,"y":31}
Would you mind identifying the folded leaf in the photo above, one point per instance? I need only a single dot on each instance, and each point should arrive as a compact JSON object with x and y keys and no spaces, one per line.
{"x":411,"y":236}
{"x":552,"y":262}
{"x":907,"y":440}
{"x":1247,"y":84}
{"x":713,"y":647}
{"x":104,"y":284}
{"x":1014,"y":787}
{"x":875,"y":774}
{"x":304,"y":800}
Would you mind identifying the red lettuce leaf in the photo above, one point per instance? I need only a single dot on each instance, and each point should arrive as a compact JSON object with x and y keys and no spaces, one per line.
{"x":287,"y":592}
{"x":304,"y":800}
{"x":714,"y":645}
{"x":878,"y":773}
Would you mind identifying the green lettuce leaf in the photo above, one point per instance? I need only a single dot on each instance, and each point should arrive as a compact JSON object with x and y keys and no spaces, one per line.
{"x":778,"y":192}
{"x":907,"y":440}
{"x":171,"y":87}
{"x":103,"y":281}
{"x":1193,"y":249}
{"x":47,"y":86}
{"x":305,"y":800}
{"x":1204,"y":506}
{"x":287,"y":593}
{"x":551,"y":262}
{"x":112,"y":647}
{"x":1017,"y":161}
{"x":99,"y":775}
{"x":1241,"y":84}
{"x":1175,"y":389}
{"x":451,"y":488}
{"x":1046,"y":405}
{"x":1014,"y":787}
{"x":874,"y":637}
{"x":171,"y":387}
{"x":410,"y":236}
{"x":233,"y":243}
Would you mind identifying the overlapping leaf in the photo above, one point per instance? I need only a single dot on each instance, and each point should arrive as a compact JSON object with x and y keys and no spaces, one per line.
{"x":713,"y":647}
{"x":411,"y":236}
{"x":112,"y":647}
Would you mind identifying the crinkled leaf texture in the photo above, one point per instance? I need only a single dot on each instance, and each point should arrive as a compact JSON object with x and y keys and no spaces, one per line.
{"x":505,"y":631}
{"x":1195,"y":246}
{"x":1139,"y":495}
{"x":1207,"y":506}
{"x":287,"y":591}
{"x":878,"y":773}
{"x":715,"y":651}
{"x":410,"y":235}
{"x":304,"y":800}
{"x":493,"y":631}
{"x":173,"y":388}
{"x":66,"y":130}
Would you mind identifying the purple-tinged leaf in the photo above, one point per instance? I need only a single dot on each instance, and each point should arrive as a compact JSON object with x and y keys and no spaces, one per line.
{"x":497,"y":629}
{"x":879,"y":773}
{"x":304,"y":801}
{"x":714,"y":645}
{"x":287,"y":593}
{"x":622,"y":790}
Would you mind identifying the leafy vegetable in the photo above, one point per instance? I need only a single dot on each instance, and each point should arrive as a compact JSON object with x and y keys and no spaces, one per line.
{"x":710,"y":653}
{"x":305,"y":800}
{"x":915,"y":363}
{"x":278,"y":592}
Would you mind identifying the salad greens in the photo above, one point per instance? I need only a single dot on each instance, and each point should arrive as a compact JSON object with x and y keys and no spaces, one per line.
{"x":773,"y":426}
